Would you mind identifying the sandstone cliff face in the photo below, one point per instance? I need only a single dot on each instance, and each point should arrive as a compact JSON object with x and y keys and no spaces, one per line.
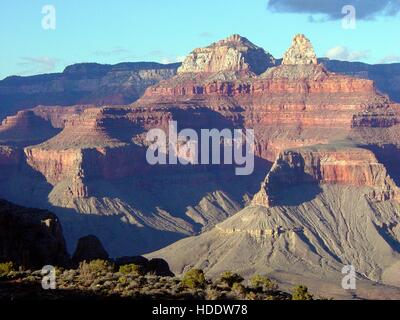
{"x":78,"y":165}
{"x":326,"y":165}
{"x":385,"y":76}
{"x":58,"y":116}
{"x":270,"y":83}
{"x":30,"y":237}
{"x":55,"y":165}
{"x":234,"y":53}
{"x":25,"y":128}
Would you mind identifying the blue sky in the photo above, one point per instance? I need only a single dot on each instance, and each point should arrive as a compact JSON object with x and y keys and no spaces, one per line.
{"x":165,"y":31}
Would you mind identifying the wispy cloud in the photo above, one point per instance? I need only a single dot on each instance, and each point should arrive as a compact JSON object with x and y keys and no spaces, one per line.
{"x":124,"y":54}
{"x":332,"y":9}
{"x":164,"y":57}
{"x":116,"y":51}
{"x":343,"y":53}
{"x":205,"y":34}
{"x":168,"y":60}
{"x":390,"y":59}
{"x":35,"y":65}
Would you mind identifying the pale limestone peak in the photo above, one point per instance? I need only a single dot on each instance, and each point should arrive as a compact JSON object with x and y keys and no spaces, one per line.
{"x":235,"y":53}
{"x":301,"y":52}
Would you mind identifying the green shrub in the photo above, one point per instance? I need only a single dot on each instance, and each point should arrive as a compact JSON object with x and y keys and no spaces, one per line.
{"x":194,"y":279}
{"x":238,"y":288}
{"x":95,"y":268}
{"x":122,"y":280}
{"x":264,"y":283}
{"x":228,"y":278}
{"x":131,"y":269}
{"x":301,"y":293}
{"x":6,"y":268}
{"x":251,"y":296}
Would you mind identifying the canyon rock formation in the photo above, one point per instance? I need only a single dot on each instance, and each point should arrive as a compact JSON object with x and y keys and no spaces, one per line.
{"x":301,"y":52}
{"x":326,"y":152}
{"x":234,"y":53}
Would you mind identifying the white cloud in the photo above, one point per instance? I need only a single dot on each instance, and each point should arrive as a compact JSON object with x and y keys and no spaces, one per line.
{"x":343,"y":53}
{"x":167,"y":60}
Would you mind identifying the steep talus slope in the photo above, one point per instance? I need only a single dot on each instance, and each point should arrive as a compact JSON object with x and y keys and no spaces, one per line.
{"x":308,"y":242}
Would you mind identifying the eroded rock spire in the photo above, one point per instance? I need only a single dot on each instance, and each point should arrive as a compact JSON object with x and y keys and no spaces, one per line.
{"x":301,"y":52}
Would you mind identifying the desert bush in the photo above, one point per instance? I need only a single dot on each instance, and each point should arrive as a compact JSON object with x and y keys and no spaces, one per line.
{"x":93,"y":269}
{"x":194,"y":279}
{"x":131,"y":269}
{"x":6,"y":268}
{"x":212,"y":294}
{"x":239,"y":289}
{"x":122,"y":280}
{"x":228,"y":278}
{"x":301,"y":293}
{"x":264,"y":283}
{"x":251,"y":296}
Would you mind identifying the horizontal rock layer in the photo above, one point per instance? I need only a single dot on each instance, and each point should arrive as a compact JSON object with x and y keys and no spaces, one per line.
{"x":326,"y":164}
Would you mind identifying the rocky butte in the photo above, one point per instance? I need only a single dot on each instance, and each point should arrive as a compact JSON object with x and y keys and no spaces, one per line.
{"x":324,"y":192}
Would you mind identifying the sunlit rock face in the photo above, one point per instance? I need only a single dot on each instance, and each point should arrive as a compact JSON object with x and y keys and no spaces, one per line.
{"x":301,"y":52}
{"x":234,"y":53}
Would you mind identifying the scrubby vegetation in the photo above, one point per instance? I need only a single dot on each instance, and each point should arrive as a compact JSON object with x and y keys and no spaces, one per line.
{"x":229,"y":279}
{"x":194,"y":279}
{"x":263,"y":283}
{"x":301,"y":293}
{"x":101,"y":279}
{"x":131,"y":269}
{"x":6,"y":268}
